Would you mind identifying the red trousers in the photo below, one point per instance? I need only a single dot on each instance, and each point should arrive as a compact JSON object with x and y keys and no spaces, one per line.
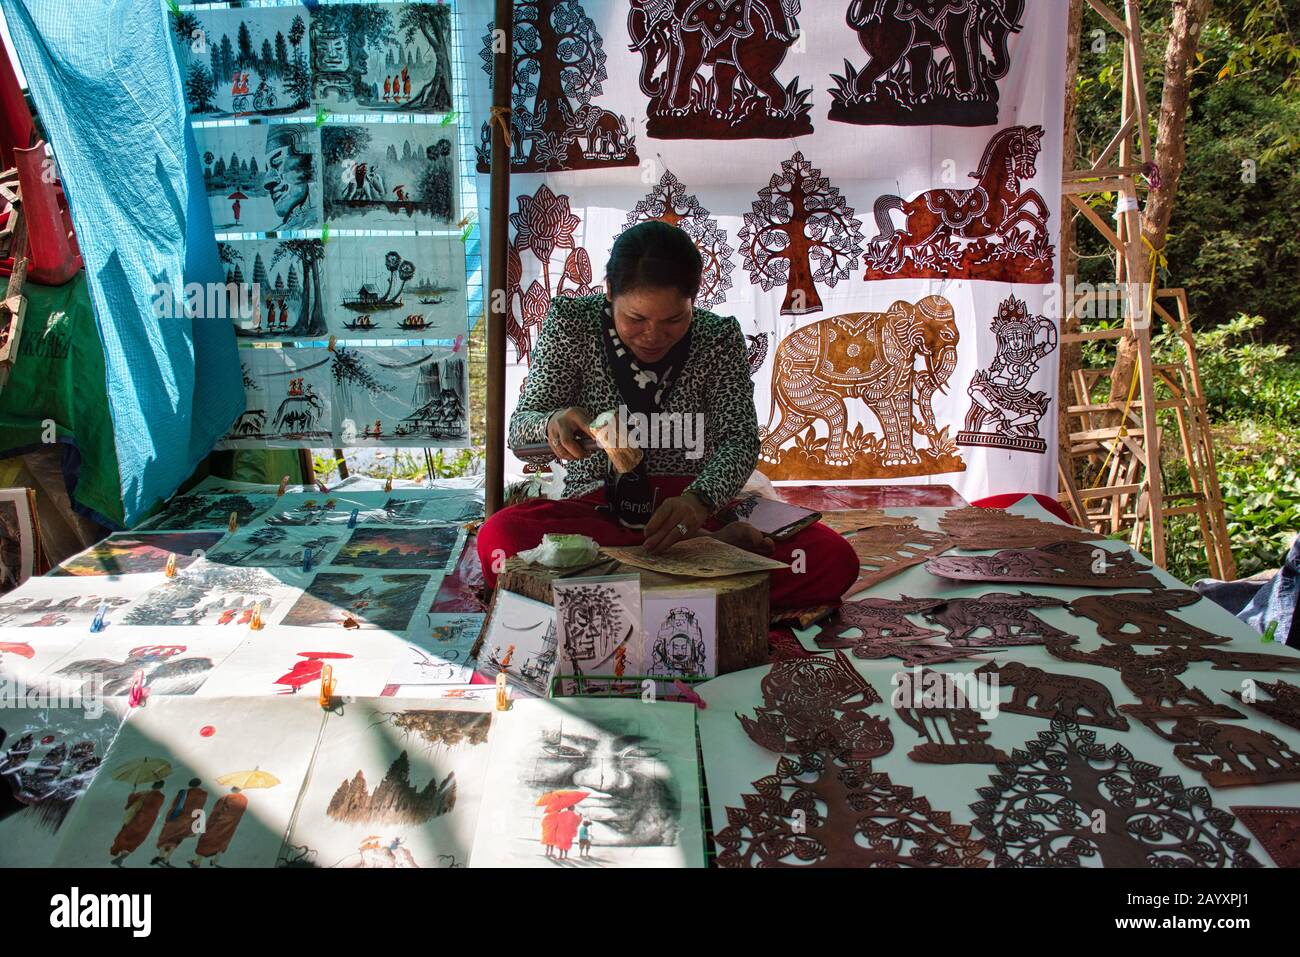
{"x":829,"y":564}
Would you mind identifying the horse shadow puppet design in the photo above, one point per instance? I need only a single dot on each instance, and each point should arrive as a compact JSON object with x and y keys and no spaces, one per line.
{"x":996,"y":231}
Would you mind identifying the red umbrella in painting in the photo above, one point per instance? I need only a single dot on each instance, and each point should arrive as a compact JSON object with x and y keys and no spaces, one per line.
{"x":234,"y":198}
{"x":559,"y":800}
{"x":306,"y":671}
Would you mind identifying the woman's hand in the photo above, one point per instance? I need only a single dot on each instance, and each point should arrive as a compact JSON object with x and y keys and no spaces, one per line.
{"x":674,"y":520}
{"x":562,"y":431}
{"x":746,"y":536}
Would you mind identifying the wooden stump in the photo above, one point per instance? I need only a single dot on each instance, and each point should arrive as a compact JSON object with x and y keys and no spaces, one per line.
{"x":743,"y":603}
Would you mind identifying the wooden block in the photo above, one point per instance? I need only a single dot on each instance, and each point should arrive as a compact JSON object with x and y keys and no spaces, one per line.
{"x":743,"y":603}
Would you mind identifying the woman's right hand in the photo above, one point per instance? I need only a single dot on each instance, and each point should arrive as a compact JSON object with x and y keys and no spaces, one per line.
{"x":564,"y":430}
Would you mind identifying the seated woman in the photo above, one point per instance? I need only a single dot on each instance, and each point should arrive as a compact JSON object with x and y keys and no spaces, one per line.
{"x":644,"y":348}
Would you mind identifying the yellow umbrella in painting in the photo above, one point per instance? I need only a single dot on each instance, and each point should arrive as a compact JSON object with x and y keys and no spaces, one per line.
{"x":244,"y":780}
{"x":142,"y":770}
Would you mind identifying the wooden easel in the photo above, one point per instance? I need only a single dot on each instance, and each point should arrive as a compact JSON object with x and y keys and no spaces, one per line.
{"x":1122,"y":439}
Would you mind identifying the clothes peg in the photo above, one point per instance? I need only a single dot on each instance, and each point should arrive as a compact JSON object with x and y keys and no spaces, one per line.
{"x":503,"y":692}
{"x":284,"y":485}
{"x":323,"y":487}
{"x":170,"y":570}
{"x":233,"y":524}
{"x":388,"y":484}
{"x":138,"y":693}
{"x":256,"y":622}
{"x":685,"y":690}
{"x":97,"y":623}
{"x":306,"y":559}
{"x":327,"y":686}
{"x":352,"y":519}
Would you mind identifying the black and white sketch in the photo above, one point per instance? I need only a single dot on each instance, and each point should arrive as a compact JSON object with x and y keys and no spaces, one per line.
{"x":261,"y":178}
{"x":397,"y":287}
{"x":378,"y":57}
{"x":402,"y":396}
{"x":681,"y":635}
{"x":244,"y":62}
{"x":395,"y":176}
{"x":599,"y":625}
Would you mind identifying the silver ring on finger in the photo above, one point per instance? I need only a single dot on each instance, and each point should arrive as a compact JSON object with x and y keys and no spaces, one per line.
{"x":681,"y":527}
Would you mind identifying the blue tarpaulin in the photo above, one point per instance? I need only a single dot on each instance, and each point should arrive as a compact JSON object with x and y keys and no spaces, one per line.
{"x":109,"y":94}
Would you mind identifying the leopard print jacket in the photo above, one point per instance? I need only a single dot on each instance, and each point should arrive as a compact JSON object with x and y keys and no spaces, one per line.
{"x":569,"y":368}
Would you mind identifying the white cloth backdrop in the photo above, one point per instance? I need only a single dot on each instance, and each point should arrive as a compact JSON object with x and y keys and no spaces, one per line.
{"x":864,"y":162}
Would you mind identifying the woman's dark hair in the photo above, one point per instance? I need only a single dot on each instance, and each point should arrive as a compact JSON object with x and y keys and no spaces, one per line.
{"x":654,"y":255}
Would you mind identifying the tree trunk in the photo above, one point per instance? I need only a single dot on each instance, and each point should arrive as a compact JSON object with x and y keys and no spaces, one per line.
{"x":1170,"y":156}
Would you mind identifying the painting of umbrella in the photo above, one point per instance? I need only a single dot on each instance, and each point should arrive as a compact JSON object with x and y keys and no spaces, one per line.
{"x":143,"y":771}
{"x":306,"y":671}
{"x":559,"y":800}
{"x":256,"y":778}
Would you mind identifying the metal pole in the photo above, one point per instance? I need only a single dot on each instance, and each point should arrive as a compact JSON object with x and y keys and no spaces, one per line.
{"x":494,"y":313}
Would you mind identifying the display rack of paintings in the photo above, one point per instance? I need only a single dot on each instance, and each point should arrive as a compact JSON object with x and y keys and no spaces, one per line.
{"x":329,"y":130}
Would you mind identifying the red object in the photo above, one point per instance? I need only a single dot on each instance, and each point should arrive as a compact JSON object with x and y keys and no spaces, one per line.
{"x":207,"y":731}
{"x":832,"y":498}
{"x":53,"y":252}
{"x":1005,"y":501}
{"x":16,"y":126}
{"x":830,"y":563}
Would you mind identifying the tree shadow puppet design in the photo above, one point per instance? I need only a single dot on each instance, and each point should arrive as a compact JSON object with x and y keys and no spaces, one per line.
{"x":1065,"y":798}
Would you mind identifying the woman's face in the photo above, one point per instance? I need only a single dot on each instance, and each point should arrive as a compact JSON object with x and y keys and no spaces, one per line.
{"x":652,"y":321}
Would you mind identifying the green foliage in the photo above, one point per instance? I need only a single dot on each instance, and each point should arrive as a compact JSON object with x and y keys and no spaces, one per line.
{"x":442,"y":463}
{"x":325,"y":466}
{"x":1232,"y":243}
{"x":1244,"y":378}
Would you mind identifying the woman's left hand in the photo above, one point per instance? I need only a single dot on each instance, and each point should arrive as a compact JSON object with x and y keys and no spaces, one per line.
{"x":666,"y":525}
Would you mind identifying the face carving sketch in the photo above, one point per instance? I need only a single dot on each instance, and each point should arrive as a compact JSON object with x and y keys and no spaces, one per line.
{"x":608,"y":775}
{"x":679,"y":646}
{"x":891,"y":361}
{"x":1004,"y":412}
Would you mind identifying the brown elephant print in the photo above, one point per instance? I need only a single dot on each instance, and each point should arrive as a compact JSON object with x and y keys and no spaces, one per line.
{"x":891,"y":362}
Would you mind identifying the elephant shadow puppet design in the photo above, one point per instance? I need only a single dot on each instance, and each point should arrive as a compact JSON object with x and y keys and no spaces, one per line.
{"x":930,"y":62}
{"x":709,"y":68}
{"x":893,"y":363}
